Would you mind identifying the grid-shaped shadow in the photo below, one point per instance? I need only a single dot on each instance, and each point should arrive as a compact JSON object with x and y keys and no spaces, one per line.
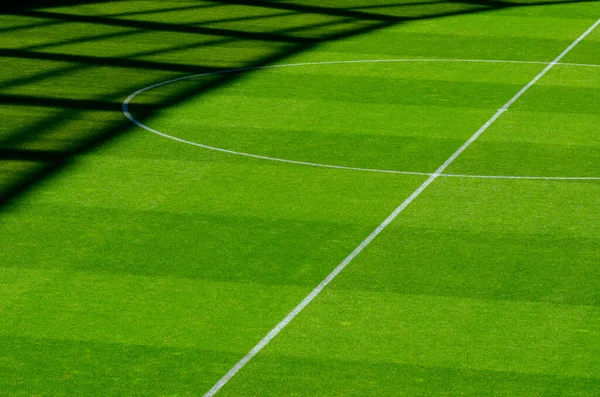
{"x":69,"y":64}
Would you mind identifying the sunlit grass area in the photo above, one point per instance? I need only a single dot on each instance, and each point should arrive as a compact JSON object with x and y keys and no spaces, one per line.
{"x":135,"y":263}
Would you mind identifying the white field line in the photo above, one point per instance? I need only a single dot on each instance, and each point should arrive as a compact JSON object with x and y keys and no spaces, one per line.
{"x":311,"y":164}
{"x":520,"y":177}
{"x":313,"y":294}
{"x":585,"y":65}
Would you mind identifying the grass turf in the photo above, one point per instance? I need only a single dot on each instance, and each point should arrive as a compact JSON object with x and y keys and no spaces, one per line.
{"x":139,"y":265}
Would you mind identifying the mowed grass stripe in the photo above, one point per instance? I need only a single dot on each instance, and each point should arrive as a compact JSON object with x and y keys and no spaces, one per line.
{"x":500,"y":25}
{"x":587,"y":51}
{"x":242,"y":222}
{"x":175,"y":370}
{"x":434,"y":331}
{"x":554,"y":160}
{"x":269,"y":191}
{"x":153,"y":311}
{"x":467,"y":47}
{"x":381,"y":89}
{"x":319,"y":376}
{"x":550,"y":131}
{"x":323,"y":120}
{"x":210,"y":247}
{"x":309,"y":298}
{"x":96,"y":190}
{"x":319,"y":288}
{"x":500,"y":34}
{"x":76,"y":367}
{"x":428,"y":345}
{"x":490,"y":239}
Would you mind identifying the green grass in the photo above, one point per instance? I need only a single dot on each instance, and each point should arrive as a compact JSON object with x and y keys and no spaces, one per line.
{"x":131,"y":264}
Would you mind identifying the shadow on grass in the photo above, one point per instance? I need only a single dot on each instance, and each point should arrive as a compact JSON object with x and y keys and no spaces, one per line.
{"x":69,"y":64}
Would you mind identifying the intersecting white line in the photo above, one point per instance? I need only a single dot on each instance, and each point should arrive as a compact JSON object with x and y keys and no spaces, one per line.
{"x":313,"y":294}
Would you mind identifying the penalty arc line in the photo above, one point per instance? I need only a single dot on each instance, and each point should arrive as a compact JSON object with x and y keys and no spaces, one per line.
{"x":317,"y":290}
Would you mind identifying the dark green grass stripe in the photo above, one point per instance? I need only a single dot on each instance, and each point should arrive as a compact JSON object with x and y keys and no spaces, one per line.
{"x":515,"y":158}
{"x":530,"y":240}
{"x":543,"y":267}
{"x":563,"y":99}
{"x":66,"y":368}
{"x":209,"y":246}
{"x":32,"y":366}
{"x":448,"y":46}
{"x":322,"y":377}
{"x":372,"y":90}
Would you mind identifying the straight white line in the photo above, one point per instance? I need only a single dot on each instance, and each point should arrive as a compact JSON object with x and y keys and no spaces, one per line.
{"x":283,"y":323}
{"x":585,"y":65}
{"x":519,"y":177}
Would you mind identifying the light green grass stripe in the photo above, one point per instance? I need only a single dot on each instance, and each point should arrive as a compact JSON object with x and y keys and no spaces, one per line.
{"x":139,"y":310}
{"x":521,"y":337}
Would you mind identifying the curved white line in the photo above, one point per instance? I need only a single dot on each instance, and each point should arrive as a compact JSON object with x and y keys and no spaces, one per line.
{"x":281,"y":160}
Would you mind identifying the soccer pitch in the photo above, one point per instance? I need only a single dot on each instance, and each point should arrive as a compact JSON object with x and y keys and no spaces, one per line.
{"x":300,"y":198}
